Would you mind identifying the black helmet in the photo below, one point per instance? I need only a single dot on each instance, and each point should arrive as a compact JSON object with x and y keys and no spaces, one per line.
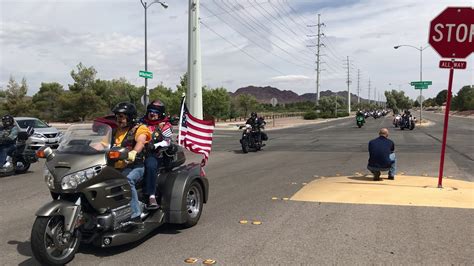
{"x":253,"y":114}
{"x":128,"y":109}
{"x":158,"y":107}
{"x":7,"y":121}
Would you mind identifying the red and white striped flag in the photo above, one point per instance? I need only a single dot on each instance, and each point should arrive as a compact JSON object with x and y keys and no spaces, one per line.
{"x":195,"y":134}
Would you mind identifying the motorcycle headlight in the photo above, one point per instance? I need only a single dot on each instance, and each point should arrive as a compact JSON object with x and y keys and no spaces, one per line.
{"x":48,"y":178}
{"x":73,"y":180}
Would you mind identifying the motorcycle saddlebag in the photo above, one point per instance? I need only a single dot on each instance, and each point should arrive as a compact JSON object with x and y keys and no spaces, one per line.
{"x":264,"y":136}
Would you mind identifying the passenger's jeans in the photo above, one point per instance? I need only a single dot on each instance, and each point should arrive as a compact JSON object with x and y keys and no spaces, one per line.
{"x":152,"y":163}
{"x":392,"y":171}
{"x":4,"y":151}
{"x":134,"y":175}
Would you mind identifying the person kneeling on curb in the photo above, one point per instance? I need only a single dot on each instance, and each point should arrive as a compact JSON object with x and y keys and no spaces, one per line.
{"x":382,"y":156}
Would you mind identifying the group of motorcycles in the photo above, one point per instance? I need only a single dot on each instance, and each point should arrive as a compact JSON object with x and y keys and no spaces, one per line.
{"x":404,"y":121}
{"x":362,"y":115}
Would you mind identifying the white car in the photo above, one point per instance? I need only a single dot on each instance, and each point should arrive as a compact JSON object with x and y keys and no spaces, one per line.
{"x":44,"y":133}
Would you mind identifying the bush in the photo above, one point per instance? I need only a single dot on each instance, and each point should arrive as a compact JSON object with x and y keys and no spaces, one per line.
{"x":326,"y":115}
{"x":342,"y":114}
{"x":311,"y":115}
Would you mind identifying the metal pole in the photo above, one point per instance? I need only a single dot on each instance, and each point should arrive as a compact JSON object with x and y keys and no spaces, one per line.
{"x":317,"y":61}
{"x":194,"y":61}
{"x":445,"y":128}
{"x":421,"y":79}
{"x":145,"y":96}
{"x":348,"y":89}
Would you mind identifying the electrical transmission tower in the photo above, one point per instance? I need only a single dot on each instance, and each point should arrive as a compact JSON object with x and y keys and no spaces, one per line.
{"x":318,"y":53}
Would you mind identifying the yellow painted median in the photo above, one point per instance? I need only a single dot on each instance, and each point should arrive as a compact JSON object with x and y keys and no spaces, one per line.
{"x":404,"y":191}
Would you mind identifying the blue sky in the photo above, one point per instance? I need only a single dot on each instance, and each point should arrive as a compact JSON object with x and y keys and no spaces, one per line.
{"x":245,"y":42}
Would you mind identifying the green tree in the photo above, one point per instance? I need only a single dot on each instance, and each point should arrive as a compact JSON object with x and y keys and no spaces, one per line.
{"x":84,"y":78}
{"x":16,"y":104}
{"x":45,"y":101}
{"x":464,"y":100}
{"x":216,"y":102}
{"x":397,"y":100}
{"x":441,"y":97}
{"x":83,"y":100}
{"x":246,"y":103}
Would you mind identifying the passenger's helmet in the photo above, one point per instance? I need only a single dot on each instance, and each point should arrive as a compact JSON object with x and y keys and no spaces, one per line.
{"x":253,"y":115}
{"x":128,"y":109}
{"x":158,"y":107}
{"x":7,"y":121}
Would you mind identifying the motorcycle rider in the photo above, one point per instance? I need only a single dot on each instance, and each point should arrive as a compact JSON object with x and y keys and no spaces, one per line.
{"x":133,"y":136}
{"x":8,"y":136}
{"x":157,"y":122}
{"x":257,"y":124}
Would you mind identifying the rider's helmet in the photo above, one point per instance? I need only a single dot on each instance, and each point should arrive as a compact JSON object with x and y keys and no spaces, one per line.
{"x":7,"y":121}
{"x":128,"y":109}
{"x":157,"y":107}
{"x":253,"y":115}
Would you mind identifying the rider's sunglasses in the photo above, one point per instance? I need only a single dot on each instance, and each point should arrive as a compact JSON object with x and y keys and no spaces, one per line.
{"x":153,"y":112}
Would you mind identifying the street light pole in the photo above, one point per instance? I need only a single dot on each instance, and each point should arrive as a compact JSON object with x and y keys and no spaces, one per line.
{"x":421,"y":70}
{"x":145,"y":7}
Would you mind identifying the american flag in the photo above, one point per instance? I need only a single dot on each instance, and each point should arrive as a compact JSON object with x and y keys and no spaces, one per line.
{"x":195,"y":134}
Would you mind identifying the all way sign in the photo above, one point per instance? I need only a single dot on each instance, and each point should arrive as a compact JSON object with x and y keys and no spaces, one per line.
{"x":453,"y":64}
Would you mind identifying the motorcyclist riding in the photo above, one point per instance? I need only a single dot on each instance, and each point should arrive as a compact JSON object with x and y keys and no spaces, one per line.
{"x":257,"y":124}
{"x":157,"y":122}
{"x":8,"y":135}
{"x":133,"y":136}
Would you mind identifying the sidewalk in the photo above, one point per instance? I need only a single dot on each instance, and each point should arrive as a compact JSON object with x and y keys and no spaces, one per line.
{"x":280,"y":123}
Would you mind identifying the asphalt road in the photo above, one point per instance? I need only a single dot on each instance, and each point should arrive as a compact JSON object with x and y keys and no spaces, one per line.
{"x":242,"y":187}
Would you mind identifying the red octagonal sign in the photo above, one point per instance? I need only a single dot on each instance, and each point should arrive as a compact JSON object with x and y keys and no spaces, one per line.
{"x":452,"y":32}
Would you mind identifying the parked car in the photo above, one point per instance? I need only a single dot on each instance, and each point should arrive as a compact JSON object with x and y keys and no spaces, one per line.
{"x":44,"y":134}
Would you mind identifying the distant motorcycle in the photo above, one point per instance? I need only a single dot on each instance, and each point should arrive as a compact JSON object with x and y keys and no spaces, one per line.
{"x":22,"y":157}
{"x":360,"y":120}
{"x":397,"y":120}
{"x":252,"y":138}
{"x":407,"y":122}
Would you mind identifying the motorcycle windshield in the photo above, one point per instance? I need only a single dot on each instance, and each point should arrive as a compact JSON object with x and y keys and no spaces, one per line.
{"x":82,"y":139}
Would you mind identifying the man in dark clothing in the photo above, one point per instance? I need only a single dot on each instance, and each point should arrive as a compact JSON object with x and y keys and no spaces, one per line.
{"x":382,"y":156}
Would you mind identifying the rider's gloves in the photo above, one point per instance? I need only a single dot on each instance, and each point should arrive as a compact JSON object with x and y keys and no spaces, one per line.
{"x":163,"y":143}
{"x":132,"y":155}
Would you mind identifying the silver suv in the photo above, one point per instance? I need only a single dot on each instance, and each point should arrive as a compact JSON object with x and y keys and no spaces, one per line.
{"x":44,"y":133}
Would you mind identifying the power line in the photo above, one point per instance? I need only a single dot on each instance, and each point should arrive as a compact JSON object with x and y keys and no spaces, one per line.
{"x":257,"y":44}
{"x":243,"y":51}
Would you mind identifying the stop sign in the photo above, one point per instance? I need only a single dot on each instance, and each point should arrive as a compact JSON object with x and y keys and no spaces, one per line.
{"x":452,"y":32}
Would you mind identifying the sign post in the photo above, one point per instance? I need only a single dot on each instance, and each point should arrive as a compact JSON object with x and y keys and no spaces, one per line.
{"x":274,"y":102}
{"x":452,"y":36}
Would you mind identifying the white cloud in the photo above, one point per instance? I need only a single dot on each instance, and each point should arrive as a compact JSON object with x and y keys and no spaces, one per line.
{"x":291,"y":78}
{"x":44,"y":40}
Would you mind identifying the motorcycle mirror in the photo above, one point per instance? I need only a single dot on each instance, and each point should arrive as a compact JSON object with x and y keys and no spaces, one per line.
{"x":45,"y":153}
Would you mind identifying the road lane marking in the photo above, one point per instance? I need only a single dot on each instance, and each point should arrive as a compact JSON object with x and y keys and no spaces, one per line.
{"x":191,"y":260}
{"x":209,"y":261}
{"x":403,"y":191}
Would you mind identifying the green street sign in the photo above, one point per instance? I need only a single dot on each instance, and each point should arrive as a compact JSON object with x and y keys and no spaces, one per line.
{"x":421,"y":87}
{"x":422,"y":83}
{"x":145,"y":74}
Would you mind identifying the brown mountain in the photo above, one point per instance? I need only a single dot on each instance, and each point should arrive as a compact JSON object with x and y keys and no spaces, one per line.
{"x":265,"y":94}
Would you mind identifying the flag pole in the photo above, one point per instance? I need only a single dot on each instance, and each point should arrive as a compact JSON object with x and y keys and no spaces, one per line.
{"x":181,"y":118}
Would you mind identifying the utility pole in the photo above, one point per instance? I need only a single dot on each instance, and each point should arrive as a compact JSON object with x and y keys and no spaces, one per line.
{"x":358,"y":86}
{"x":348,"y":88}
{"x":318,"y":54}
{"x":375,"y":95}
{"x":194,"y":98}
{"x":369,"y":91}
